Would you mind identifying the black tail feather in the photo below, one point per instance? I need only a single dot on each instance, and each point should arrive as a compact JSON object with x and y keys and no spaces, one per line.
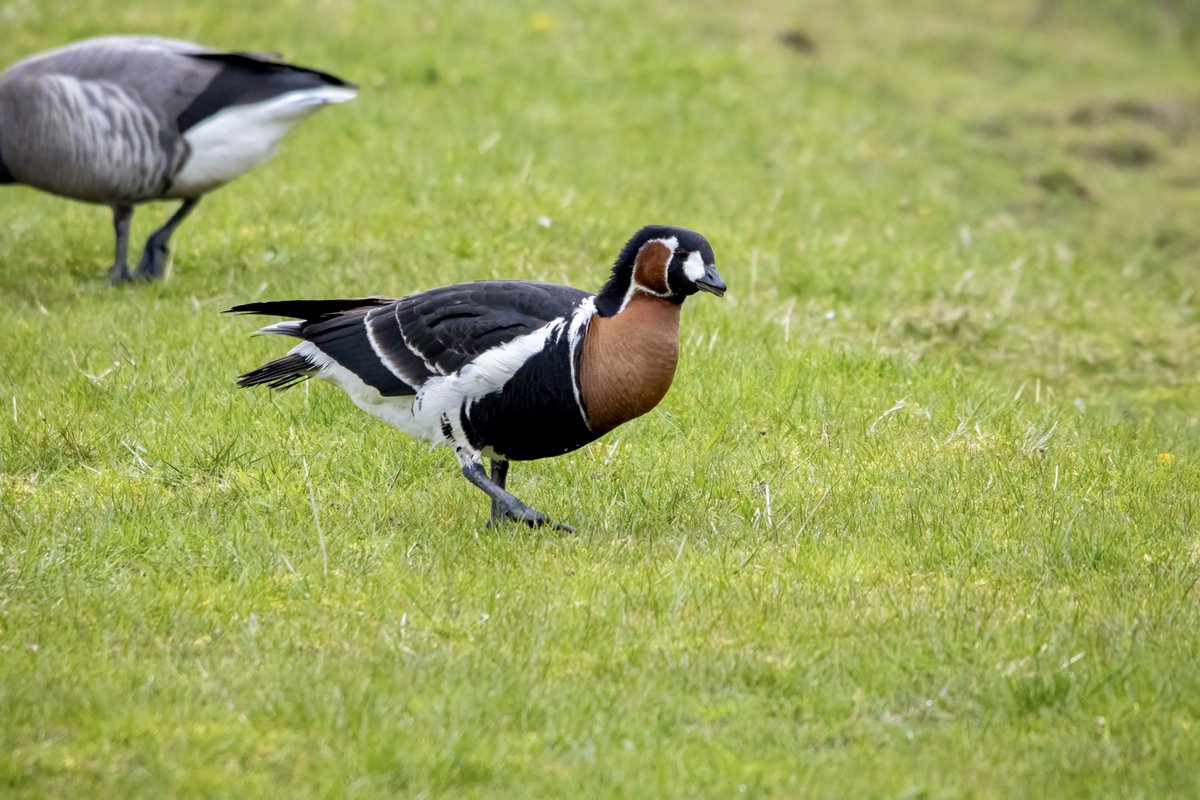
{"x":270,"y":63}
{"x":310,"y":310}
{"x":280,"y":374}
{"x":246,"y":78}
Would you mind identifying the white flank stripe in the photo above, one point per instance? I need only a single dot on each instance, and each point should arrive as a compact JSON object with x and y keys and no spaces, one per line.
{"x":451,"y":395}
{"x":490,"y":370}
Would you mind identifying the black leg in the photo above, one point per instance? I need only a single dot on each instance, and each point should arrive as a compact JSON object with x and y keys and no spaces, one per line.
{"x":122,"y":216}
{"x":154,"y":257}
{"x":499,"y":477}
{"x":510,"y":507}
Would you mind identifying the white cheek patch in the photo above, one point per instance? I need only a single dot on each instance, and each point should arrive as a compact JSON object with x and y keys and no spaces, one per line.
{"x":693,"y":268}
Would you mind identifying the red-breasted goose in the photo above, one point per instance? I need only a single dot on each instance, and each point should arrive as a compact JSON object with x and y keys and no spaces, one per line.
{"x":121,"y":120}
{"x":508,"y":370}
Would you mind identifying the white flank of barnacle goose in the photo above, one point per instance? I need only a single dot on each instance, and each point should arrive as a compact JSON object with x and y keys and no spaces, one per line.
{"x":121,"y":120}
{"x":504,"y":370}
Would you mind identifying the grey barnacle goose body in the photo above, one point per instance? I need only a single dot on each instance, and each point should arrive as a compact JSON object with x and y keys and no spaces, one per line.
{"x":507,"y":370}
{"x":121,"y":120}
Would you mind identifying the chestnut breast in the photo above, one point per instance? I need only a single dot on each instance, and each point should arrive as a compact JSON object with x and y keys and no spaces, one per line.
{"x":628,"y":361}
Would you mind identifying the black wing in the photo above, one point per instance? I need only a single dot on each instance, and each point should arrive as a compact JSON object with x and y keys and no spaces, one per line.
{"x":397,"y":345}
{"x":450,"y":326}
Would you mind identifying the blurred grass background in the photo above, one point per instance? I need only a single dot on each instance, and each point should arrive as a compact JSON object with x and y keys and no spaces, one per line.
{"x":918,"y":517}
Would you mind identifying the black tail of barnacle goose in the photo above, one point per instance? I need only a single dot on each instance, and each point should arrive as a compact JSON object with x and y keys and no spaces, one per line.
{"x":508,"y":370}
{"x":121,"y":120}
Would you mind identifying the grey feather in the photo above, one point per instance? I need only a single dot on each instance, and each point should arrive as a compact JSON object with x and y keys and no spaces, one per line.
{"x":94,"y":121}
{"x":107,"y":120}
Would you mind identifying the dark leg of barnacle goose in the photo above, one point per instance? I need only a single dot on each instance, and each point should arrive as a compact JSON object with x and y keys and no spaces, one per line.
{"x":154,"y":257}
{"x":122,"y":216}
{"x":510,"y":507}
{"x":499,"y":477}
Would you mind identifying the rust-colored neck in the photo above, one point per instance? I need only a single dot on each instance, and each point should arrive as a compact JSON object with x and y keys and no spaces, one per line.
{"x":628,"y":361}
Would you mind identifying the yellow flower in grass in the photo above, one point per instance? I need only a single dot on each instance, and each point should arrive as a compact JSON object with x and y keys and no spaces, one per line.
{"x":1166,"y":458}
{"x":542,"y":22}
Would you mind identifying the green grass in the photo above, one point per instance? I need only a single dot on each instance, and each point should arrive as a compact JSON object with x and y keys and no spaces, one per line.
{"x":918,"y":517}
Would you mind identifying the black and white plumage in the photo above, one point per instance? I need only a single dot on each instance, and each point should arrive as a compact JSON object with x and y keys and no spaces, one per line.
{"x":121,"y":120}
{"x":507,"y":370}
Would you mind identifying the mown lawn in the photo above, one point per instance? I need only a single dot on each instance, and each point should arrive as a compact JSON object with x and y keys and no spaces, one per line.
{"x":918,"y":517}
